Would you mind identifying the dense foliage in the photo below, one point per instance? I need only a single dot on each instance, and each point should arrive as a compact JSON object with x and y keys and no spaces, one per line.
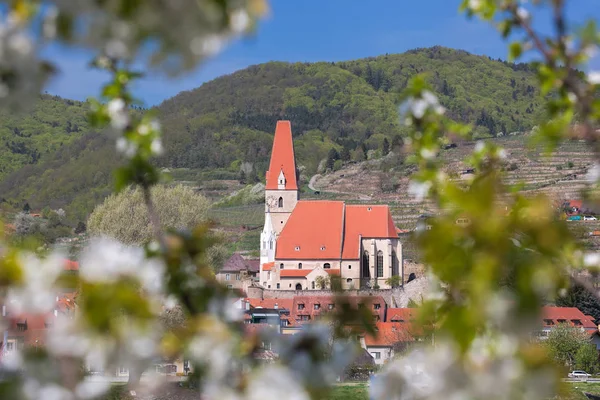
{"x":347,"y":106}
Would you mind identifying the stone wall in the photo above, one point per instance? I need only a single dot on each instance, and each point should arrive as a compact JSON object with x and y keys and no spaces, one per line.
{"x":398,"y":297}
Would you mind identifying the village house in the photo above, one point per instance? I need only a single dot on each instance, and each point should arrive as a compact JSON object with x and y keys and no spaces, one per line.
{"x":304,"y":244}
{"x":238,"y":272}
{"x":389,"y":338}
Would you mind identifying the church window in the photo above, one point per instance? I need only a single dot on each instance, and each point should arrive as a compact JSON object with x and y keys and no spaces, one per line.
{"x":313,"y":285}
{"x":298,"y":286}
{"x":270,"y":245}
{"x":278,"y":286}
{"x":297,"y":248}
{"x":349,"y":280}
{"x":299,"y":265}
{"x":366,"y":273}
{"x":380,"y":264}
{"x":394,"y":264}
{"x":281,"y":202}
{"x":326,"y":265}
{"x":349,"y":266}
{"x":281,"y":266}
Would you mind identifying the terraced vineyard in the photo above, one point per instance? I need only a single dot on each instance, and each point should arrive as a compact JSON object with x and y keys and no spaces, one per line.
{"x":560,"y":176}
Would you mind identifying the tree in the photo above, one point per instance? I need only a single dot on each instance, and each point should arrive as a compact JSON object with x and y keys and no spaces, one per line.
{"x":394,"y":281}
{"x":582,"y":299}
{"x":26,"y":208}
{"x":563,"y":343}
{"x":397,"y":142}
{"x":322,"y":282}
{"x":124,"y":216}
{"x":242,"y":178}
{"x":80,"y":228}
{"x":586,"y":358}
{"x":385,"y":147}
{"x":345,"y":154}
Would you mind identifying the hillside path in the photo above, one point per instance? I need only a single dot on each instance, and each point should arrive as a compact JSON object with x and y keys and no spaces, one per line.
{"x":313,"y":179}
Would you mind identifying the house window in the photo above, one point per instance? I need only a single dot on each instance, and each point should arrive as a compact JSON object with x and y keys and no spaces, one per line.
{"x":9,"y":346}
{"x":330,"y":306}
{"x":229,"y":286}
{"x":349,"y":266}
{"x":281,"y":266}
{"x":123,"y":370}
{"x":326,"y":265}
{"x":366,"y":273}
{"x":278,"y":286}
{"x":280,"y":202}
{"x":317,"y":306}
{"x":300,"y":306}
{"x":562,"y":321}
{"x":21,"y":327}
{"x":576,"y":322}
{"x":304,"y":317}
{"x":548,"y":322}
{"x":298,"y":286}
{"x":376,"y":306}
{"x":269,"y":287}
{"x":376,"y":355}
{"x":313,"y":285}
{"x":380,"y":264}
{"x":299,"y":265}
{"x":226,"y":277}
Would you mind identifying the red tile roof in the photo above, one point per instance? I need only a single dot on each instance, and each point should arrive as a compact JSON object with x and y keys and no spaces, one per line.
{"x":268,"y":266}
{"x":309,"y":302}
{"x":388,"y":334}
{"x":569,"y":315}
{"x":333,"y":271}
{"x":401,"y":314}
{"x":313,"y":232}
{"x":294,"y":273}
{"x":368,"y":222}
{"x":71,"y":265}
{"x":270,"y":303}
{"x":282,"y":158}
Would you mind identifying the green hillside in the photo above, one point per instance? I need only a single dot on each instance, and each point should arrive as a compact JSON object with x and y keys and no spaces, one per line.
{"x":349,"y":106}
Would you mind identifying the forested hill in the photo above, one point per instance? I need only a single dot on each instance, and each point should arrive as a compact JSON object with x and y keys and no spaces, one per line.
{"x":46,"y":156}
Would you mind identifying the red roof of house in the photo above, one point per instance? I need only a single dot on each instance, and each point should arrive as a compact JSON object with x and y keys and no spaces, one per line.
{"x":294,"y":273}
{"x":308,"y":305}
{"x":388,"y":334}
{"x":368,"y":222}
{"x":313,"y":232}
{"x":333,"y":271}
{"x":554,"y":315}
{"x":401,"y":314}
{"x":271,"y":303}
{"x":282,"y":158}
{"x":268,"y":266}
{"x":237,"y":263}
{"x":71,"y":265}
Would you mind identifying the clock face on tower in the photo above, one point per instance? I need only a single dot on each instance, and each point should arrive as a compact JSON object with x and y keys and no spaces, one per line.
{"x":271,"y":202}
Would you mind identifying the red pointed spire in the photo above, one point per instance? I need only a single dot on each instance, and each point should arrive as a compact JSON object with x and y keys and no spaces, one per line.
{"x":282,"y":158}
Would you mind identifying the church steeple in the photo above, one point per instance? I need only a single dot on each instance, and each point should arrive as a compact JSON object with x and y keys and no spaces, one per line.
{"x":283,"y":163}
{"x":281,"y":191}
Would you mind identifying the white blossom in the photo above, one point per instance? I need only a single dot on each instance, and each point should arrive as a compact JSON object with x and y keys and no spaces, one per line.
{"x":523,"y":14}
{"x":419,"y":190}
{"x":428,"y":154}
{"x":119,"y":118}
{"x":275,"y":382}
{"x":594,"y":77}
{"x":591,"y":259}
{"x":593,"y":174}
{"x":36,"y":293}
{"x":156,"y":146}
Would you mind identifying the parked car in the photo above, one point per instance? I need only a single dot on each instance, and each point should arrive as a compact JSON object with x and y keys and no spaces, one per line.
{"x":590,"y":218}
{"x":579,"y":374}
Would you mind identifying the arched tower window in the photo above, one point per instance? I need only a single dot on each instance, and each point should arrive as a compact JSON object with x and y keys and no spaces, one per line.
{"x":299,"y":265}
{"x":298,"y":286}
{"x":366,"y":272}
{"x":380,"y":264}
{"x":326,"y":265}
{"x":394,"y":264}
{"x":281,"y":202}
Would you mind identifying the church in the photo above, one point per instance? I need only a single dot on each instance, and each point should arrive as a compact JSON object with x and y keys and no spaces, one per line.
{"x":305,"y":242}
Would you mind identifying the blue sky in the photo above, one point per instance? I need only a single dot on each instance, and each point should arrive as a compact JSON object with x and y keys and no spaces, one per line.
{"x":318,"y":30}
